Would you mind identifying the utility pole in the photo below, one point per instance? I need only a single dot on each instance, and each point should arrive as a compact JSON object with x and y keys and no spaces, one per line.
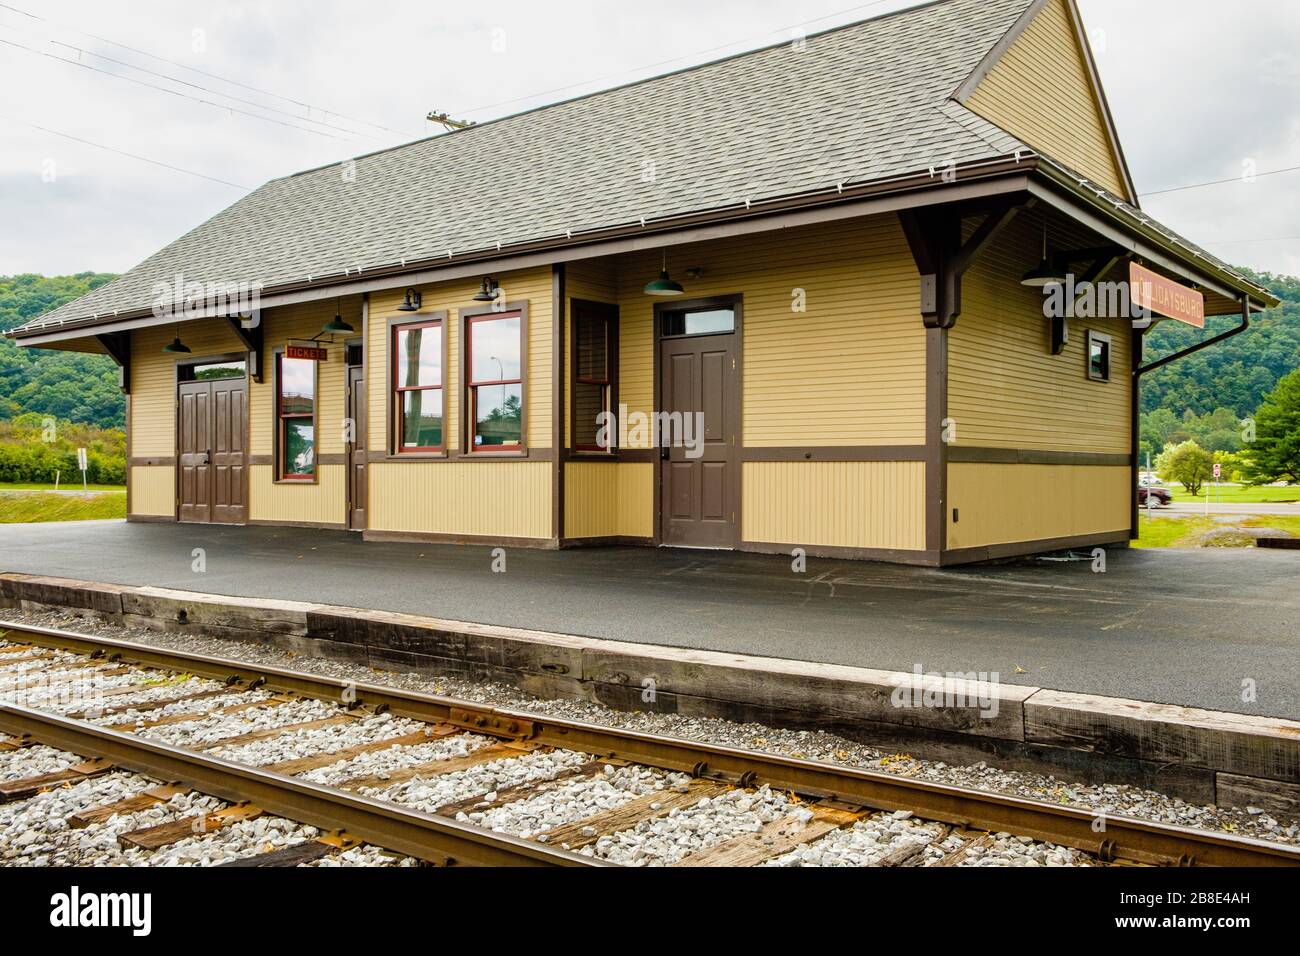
{"x":447,"y":122}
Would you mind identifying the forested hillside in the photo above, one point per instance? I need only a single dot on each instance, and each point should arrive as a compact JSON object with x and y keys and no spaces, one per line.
{"x":1202,"y":396}
{"x":65,"y":385}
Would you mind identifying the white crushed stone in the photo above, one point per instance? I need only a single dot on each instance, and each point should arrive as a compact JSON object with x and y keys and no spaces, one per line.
{"x":322,"y":740}
{"x":221,"y":726}
{"x":570,"y":801}
{"x":433,"y":792}
{"x":35,"y":762}
{"x":1115,"y":799}
{"x":684,"y":831}
{"x":383,"y":763}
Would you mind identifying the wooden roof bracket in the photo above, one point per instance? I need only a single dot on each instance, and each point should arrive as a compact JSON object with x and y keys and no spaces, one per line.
{"x":934,"y":237}
{"x":118,"y":346}
{"x":1103,"y":260}
{"x":252,"y":339}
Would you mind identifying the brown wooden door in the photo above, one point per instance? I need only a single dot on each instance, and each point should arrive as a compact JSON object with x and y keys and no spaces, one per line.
{"x":212,"y":429}
{"x":700,"y":490}
{"x":357,"y":450}
{"x":229,"y":464}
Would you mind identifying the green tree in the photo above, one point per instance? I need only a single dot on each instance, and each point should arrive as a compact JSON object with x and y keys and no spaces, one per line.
{"x":1275,"y":453}
{"x":1188,"y":464}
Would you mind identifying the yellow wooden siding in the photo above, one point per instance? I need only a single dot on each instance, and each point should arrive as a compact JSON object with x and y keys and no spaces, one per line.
{"x":153,"y":380}
{"x":532,"y":286}
{"x":301,"y":322}
{"x":488,"y":498}
{"x":848,"y":371}
{"x":324,"y":502}
{"x":153,"y":490}
{"x":835,"y":504}
{"x":1005,"y":387}
{"x":590,"y":500}
{"x":636,"y":499}
{"x":1040,"y":91}
{"x":999,"y":504}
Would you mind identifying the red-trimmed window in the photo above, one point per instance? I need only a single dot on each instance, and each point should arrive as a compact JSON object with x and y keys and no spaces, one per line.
{"x":494,"y":384}
{"x":592,"y":376}
{"x":296,"y":412}
{"x":417,"y":388}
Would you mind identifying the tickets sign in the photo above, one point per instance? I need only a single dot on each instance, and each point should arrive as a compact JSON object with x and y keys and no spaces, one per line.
{"x":1150,"y":290}
{"x":307,"y":352}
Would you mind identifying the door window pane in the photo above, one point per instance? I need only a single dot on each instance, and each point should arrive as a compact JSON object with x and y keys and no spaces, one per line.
{"x":700,"y":322}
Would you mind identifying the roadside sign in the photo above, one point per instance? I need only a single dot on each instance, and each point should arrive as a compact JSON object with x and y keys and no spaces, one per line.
{"x":1218,"y":471}
{"x":81,"y":458}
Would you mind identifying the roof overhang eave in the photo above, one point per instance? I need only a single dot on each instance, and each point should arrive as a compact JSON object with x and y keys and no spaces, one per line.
{"x":1006,"y":175}
{"x":1056,"y":188}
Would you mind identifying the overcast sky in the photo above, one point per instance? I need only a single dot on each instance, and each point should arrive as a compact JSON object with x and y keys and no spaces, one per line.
{"x":1198,"y":88}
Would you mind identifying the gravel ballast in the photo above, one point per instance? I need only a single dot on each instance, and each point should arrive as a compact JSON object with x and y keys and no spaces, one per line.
{"x":854,"y":844}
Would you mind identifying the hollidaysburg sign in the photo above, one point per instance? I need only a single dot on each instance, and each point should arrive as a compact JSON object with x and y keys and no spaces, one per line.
{"x":308,"y":352}
{"x":1152,"y":291}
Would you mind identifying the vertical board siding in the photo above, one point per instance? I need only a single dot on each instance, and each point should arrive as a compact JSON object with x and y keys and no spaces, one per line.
{"x":1041,"y":92}
{"x":848,"y":371}
{"x":636,"y":499}
{"x":1000,"y":504}
{"x":590,"y":500}
{"x":322,"y":502}
{"x":503,"y":499}
{"x":153,"y":491}
{"x":532,"y":286}
{"x":836,"y":504}
{"x":1005,"y":387}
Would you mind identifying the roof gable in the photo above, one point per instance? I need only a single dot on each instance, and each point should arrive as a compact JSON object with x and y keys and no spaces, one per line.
{"x":1041,"y":85}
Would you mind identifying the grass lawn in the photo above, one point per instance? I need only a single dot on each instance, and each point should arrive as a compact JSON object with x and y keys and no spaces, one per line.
{"x":75,"y":486}
{"x":1185,"y":532}
{"x":31,"y":506}
{"x":1238,"y":494}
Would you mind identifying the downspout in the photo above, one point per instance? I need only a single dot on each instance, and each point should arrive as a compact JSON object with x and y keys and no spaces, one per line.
{"x":1161,"y":363}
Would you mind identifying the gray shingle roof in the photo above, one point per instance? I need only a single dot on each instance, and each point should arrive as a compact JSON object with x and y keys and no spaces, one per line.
{"x":856,"y":104}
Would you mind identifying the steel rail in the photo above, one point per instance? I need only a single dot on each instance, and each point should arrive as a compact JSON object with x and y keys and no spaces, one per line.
{"x":1109,"y":837}
{"x":388,"y":825}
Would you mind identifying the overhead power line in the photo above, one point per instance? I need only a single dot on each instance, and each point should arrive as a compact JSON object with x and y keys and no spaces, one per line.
{"x":163,"y":89}
{"x":1220,"y":182}
{"x":119,"y":152}
{"x":213,"y":76}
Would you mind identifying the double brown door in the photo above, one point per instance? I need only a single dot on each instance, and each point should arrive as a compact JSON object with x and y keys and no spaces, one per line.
{"x":700,"y":479}
{"x":212,"y":458}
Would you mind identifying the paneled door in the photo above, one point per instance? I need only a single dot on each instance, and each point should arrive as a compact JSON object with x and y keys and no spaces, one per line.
{"x":212,"y":452}
{"x":357,"y":449}
{"x":700,"y":487}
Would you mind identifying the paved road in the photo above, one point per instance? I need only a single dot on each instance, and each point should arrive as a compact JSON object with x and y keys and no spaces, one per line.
{"x":1183,"y":627}
{"x":1191,"y":506}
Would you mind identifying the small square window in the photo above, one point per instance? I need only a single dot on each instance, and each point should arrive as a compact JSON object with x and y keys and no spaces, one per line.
{"x":1098,"y":357}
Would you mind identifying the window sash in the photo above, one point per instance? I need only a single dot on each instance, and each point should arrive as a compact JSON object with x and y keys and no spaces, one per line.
{"x":472,"y":384}
{"x":285,"y":418}
{"x":605,"y":326}
{"x":400,"y":391}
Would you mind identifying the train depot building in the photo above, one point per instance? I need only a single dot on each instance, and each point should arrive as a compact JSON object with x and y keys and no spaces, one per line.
{"x":796,"y":298}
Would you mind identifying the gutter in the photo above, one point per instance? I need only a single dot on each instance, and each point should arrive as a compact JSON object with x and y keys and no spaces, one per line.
{"x":1161,"y":363}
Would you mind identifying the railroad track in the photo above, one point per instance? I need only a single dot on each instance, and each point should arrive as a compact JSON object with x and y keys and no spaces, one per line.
{"x":448,"y":782}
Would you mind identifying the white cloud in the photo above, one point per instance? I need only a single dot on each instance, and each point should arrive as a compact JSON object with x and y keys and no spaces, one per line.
{"x":1194,"y":94}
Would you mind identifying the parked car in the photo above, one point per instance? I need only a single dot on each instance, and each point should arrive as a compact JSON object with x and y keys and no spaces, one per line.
{"x":1160,"y":496}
